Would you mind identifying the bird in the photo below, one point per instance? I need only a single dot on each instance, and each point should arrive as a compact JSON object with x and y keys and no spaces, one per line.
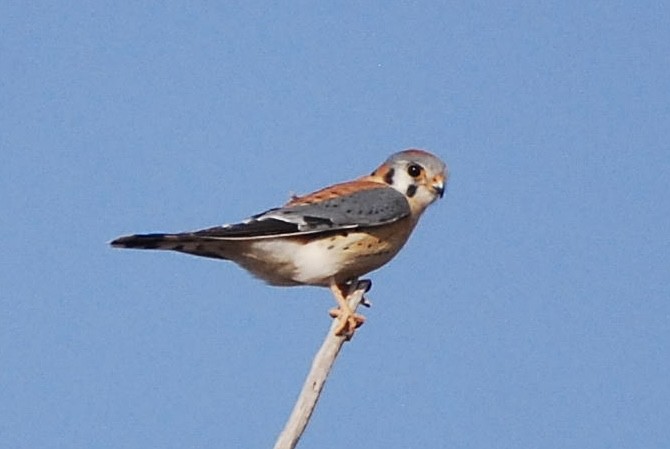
{"x":328,"y":238}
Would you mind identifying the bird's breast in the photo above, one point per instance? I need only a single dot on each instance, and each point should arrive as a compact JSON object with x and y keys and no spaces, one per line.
{"x":319,"y":259}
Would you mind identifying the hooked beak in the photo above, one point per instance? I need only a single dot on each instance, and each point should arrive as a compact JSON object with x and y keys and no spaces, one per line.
{"x":438,"y":187}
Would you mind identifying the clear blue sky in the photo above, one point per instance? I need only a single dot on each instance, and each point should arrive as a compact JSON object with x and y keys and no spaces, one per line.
{"x":531,"y":308}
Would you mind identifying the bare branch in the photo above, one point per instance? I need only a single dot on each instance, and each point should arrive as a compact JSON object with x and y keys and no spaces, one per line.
{"x":321,"y":366}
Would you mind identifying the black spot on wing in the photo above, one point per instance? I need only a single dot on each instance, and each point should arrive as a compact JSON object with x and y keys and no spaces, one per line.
{"x":318,"y":221}
{"x":371,"y":207}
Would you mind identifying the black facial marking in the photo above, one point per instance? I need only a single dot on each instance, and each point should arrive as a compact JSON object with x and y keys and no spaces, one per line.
{"x":388,"y":177}
{"x":411,"y":190}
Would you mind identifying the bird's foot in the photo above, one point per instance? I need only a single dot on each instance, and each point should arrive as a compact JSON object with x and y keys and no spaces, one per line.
{"x":349,"y":321}
{"x":365,"y":284}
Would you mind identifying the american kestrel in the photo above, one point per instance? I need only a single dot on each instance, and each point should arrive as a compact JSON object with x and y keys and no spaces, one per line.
{"x":327,"y":238}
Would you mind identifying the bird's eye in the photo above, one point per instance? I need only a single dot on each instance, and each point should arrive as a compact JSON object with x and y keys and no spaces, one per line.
{"x":414,"y":170}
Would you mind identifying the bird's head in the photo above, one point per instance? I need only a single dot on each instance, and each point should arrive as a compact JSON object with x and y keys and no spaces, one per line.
{"x":417,"y":174}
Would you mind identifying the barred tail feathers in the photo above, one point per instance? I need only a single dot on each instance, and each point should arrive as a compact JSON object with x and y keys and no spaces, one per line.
{"x":184,"y":243}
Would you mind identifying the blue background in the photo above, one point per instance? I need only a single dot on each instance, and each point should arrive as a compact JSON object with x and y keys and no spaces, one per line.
{"x":530,"y":308}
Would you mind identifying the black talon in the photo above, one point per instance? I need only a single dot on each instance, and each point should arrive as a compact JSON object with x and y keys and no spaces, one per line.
{"x":366,"y":283}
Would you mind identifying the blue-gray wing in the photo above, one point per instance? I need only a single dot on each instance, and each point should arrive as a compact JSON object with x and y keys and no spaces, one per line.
{"x":329,"y":210}
{"x":358,"y":209}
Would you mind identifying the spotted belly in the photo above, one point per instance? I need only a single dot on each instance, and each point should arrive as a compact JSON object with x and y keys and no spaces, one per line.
{"x":322,"y":259}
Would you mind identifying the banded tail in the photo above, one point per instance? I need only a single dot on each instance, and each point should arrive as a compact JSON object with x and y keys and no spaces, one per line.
{"x":188,"y":243}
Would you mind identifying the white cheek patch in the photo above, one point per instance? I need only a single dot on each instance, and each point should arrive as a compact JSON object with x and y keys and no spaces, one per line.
{"x":425,"y":197}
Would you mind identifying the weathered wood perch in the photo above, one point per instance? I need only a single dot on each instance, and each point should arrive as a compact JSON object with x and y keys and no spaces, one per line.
{"x":316,"y":378}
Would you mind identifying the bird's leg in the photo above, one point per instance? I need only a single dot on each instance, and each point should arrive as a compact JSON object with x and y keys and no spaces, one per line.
{"x":349,"y":320}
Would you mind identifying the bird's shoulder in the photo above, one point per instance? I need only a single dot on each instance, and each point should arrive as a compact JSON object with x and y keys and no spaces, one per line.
{"x":340,"y":190}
